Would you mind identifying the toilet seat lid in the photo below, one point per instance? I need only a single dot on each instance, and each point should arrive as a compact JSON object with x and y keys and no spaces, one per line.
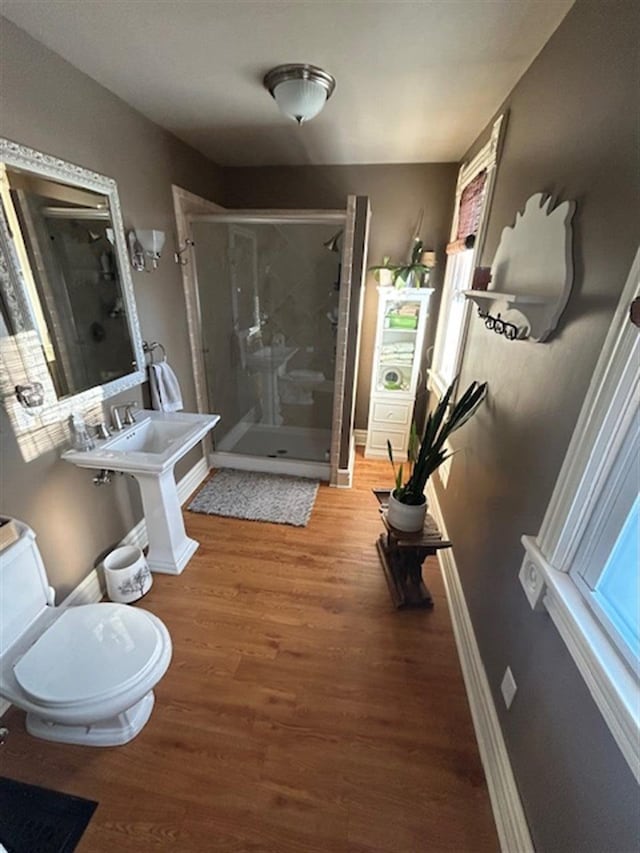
{"x":89,"y":652}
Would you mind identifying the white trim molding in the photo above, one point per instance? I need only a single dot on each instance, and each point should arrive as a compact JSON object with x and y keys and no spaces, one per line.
{"x":611,"y":684}
{"x":508,"y":812}
{"x":486,"y":159}
{"x":606,"y":424}
{"x":186,"y":205}
{"x":360,"y":437}
{"x":88,"y":591}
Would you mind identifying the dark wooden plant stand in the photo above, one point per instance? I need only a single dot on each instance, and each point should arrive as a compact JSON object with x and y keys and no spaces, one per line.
{"x":402,"y":555}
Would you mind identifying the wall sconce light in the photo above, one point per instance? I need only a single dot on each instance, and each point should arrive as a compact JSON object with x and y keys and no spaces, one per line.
{"x":143,"y":245}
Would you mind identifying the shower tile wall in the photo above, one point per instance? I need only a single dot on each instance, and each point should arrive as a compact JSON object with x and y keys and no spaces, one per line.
{"x":298,"y":295}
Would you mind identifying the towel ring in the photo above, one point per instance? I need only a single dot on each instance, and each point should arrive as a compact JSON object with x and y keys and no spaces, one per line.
{"x":150,"y":348}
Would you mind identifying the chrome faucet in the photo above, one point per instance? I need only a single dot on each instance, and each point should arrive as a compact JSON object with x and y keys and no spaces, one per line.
{"x":100,"y":430}
{"x":129,"y":415}
{"x":129,"y":418}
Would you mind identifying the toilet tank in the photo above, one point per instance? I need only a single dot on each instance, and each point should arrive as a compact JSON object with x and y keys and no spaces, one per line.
{"x":24,"y":588}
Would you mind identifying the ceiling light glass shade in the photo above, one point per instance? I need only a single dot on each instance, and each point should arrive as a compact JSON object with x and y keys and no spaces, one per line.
{"x":300,"y":91}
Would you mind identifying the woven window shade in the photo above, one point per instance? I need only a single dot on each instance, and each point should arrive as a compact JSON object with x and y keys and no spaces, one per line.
{"x":469,"y":214}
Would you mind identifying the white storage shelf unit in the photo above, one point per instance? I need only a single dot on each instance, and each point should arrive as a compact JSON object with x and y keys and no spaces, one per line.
{"x":402,"y":320}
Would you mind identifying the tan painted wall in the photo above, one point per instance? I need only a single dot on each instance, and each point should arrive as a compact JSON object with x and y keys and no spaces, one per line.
{"x":572,"y":131}
{"x":49,"y":105}
{"x":397,"y":194}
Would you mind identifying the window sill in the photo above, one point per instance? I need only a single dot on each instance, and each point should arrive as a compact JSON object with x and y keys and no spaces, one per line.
{"x":612,"y":685}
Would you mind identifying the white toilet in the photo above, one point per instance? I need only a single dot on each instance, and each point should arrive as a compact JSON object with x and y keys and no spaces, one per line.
{"x":298,"y":386}
{"x":83,"y":674}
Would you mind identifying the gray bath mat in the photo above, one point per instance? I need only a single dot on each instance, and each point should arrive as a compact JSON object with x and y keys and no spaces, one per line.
{"x":257,"y":497}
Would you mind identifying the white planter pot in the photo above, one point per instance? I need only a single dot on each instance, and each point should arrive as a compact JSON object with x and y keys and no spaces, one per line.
{"x":126,"y":574}
{"x":409,"y":519}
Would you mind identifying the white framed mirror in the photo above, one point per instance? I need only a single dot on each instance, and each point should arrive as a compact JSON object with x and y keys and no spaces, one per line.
{"x":68,"y":318}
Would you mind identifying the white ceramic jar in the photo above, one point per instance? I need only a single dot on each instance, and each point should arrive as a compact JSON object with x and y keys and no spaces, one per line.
{"x":406,"y":517}
{"x":126,"y":574}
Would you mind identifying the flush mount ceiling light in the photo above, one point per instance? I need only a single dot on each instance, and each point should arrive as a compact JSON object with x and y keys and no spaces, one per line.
{"x":300,"y":91}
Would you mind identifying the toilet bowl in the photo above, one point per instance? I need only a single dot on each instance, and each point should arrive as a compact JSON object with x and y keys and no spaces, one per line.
{"x":297,"y":386}
{"x":84,"y":674}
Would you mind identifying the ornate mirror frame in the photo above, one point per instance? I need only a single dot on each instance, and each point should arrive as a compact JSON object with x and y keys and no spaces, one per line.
{"x":12,"y":284}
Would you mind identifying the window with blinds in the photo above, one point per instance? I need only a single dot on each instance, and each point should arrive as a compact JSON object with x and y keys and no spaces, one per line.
{"x":469,"y":214}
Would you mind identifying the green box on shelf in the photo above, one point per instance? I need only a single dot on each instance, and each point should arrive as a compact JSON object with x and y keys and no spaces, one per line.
{"x":402,"y":321}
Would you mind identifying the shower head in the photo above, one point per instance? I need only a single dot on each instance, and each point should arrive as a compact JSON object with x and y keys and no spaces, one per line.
{"x":332,"y":243}
{"x":93,"y":236}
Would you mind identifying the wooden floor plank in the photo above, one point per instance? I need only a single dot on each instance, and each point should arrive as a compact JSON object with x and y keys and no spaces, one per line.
{"x":301,"y":713}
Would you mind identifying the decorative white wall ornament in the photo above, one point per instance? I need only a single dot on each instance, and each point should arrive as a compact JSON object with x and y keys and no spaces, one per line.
{"x":532,"y":271}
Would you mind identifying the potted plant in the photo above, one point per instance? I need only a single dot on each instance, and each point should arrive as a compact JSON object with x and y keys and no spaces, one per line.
{"x":407,"y":502}
{"x":415,"y":273}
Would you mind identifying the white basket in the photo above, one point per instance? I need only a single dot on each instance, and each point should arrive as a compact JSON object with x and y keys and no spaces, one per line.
{"x":127,"y":574}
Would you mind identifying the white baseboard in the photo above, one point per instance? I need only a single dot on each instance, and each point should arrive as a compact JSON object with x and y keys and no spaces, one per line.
{"x":344,"y":476}
{"x":508,"y":812}
{"x":89,"y":590}
{"x":137,"y":536}
{"x":360,"y":437}
{"x":192,"y":479}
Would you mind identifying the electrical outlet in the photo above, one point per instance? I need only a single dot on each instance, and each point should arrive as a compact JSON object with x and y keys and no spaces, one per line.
{"x":508,"y":687}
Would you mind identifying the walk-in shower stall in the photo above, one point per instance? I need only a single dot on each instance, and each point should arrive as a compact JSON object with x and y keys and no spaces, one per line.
{"x":277,"y":299}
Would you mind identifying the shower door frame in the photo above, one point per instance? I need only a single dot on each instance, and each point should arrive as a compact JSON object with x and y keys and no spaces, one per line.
{"x":190,"y":207}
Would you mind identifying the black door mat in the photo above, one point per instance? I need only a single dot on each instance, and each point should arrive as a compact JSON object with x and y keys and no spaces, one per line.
{"x":37,"y":820}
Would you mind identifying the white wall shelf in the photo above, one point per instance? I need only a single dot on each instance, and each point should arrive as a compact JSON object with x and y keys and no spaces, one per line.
{"x":481,"y":296}
{"x":532,"y":272}
{"x":526,"y":314}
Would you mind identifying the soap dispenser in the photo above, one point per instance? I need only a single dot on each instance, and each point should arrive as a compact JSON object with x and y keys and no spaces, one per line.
{"x":80,"y":438}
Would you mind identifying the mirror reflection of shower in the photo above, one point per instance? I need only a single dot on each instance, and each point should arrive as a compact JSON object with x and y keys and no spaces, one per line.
{"x":268,"y":293}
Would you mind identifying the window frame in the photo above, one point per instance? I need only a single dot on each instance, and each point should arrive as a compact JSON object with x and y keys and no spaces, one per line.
{"x":581,"y":503}
{"x":621,"y":494}
{"x":486,"y":159}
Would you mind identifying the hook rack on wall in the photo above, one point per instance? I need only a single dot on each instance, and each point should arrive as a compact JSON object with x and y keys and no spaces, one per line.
{"x":150,"y":348}
{"x":501,"y":327}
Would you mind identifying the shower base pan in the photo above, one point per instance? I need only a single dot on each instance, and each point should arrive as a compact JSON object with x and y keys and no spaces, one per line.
{"x":299,"y":451}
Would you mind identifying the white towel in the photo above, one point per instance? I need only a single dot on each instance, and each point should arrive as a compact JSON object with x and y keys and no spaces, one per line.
{"x":165,"y":388}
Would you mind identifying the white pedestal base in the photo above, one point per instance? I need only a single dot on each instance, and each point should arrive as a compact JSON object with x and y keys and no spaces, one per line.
{"x":112,"y":732}
{"x":176,"y":565}
{"x":170,"y":549}
{"x":270,"y":399}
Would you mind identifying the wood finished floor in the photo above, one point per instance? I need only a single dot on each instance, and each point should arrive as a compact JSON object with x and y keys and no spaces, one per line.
{"x":300,"y":714}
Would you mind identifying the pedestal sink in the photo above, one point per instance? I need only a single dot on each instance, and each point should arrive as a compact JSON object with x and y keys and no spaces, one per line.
{"x":149,"y":450}
{"x":269,"y":361}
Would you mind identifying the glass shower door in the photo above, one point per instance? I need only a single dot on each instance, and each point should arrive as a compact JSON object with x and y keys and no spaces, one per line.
{"x":268,"y":291}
